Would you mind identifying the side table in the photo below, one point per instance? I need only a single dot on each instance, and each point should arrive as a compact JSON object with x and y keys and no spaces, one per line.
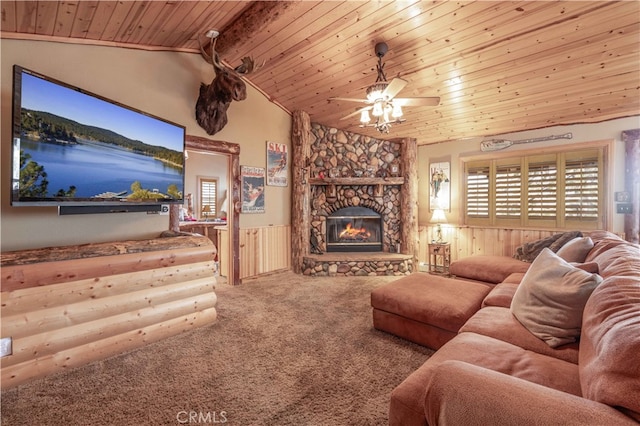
{"x":439,"y":258}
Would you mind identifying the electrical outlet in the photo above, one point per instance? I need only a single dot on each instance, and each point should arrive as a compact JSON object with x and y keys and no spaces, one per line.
{"x":624,"y":208}
{"x":6,"y":346}
{"x":164,"y":210}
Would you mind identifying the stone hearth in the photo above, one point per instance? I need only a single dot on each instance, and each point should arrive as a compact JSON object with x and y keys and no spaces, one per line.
{"x":357,"y":264}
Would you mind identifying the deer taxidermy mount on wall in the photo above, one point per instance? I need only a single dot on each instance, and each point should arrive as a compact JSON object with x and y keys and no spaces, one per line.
{"x":227,"y":86}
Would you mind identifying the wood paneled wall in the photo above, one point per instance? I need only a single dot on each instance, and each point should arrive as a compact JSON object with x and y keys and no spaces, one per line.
{"x":468,"y":241}
{"x":66,"y":313}
{"x":264,"y":250}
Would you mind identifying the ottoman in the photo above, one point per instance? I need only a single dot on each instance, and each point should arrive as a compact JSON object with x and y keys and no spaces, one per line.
{"x":426,"y":309}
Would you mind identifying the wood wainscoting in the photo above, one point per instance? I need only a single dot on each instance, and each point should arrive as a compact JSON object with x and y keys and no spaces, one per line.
{"x":64,"y":307}
{"x":264,"y":250}
{"x":468,"y":241}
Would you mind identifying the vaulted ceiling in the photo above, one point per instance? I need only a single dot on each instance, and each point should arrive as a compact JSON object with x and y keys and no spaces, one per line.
{"x":497,"y":66}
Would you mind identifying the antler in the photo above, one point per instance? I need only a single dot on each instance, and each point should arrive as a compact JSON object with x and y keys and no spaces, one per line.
{"x":247,"y":66}
{"x":214,"y":58}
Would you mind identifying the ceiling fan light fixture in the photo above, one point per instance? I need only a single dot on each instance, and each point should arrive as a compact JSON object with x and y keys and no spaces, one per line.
{"x":385,"y":116}
{"x":378,"y":109}
{"x":364,"y":116}
{"x":397,"y":110}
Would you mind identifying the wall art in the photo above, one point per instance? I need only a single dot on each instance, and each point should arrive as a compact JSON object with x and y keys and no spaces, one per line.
{"x":277,"y":166}
{"x":440,"y":185}
{"x":252,"y":189}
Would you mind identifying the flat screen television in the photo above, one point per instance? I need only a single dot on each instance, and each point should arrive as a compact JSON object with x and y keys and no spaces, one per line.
{"x":75,"y":148}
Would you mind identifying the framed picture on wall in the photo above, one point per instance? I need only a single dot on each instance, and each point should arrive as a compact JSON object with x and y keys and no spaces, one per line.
{"x":252,"y":189}
{"x":440,"y":185}
{"x":277,"y":167}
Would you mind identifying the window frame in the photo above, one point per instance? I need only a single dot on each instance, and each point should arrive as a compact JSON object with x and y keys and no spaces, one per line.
{"x":201,"y":198}
{"x":529,"y":156}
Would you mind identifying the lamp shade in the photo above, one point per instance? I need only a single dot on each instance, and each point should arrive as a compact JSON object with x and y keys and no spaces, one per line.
{"x":438,"y":216}
{"x":364,"y":116}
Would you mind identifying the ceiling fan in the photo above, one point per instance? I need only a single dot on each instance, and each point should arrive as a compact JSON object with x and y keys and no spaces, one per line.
{"x":385,"y":108}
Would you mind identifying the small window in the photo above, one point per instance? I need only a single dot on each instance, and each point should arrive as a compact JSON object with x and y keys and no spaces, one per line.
{"x":208,"y":199}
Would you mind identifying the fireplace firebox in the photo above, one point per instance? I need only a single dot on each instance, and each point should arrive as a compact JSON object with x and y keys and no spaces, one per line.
{"x":354,"y":229}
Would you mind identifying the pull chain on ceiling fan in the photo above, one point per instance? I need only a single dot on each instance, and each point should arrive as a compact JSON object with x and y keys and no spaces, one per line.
{"x":381,"y":102}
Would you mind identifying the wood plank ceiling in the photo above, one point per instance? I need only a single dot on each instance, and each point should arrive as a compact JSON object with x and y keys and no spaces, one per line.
{"x":498,"y":66}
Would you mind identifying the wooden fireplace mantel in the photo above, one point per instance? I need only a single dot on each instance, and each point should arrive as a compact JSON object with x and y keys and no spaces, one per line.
{"x":357,"y":181}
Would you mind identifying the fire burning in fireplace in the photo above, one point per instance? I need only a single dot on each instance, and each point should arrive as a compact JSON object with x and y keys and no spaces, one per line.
{"x":354,"y":234}
{"x":354,"y":228}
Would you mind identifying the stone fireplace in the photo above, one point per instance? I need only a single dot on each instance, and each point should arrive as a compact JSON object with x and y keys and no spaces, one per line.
{"x":354,"y":202}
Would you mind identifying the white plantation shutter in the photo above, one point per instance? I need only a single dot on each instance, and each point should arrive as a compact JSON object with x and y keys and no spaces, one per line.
{"x":508,"y":199}
{"x":581,"y":188}
{"x":478,"y":191}
{"x":542,"y":188}
{"x":560,"y":190}
{"x":208,"y":198}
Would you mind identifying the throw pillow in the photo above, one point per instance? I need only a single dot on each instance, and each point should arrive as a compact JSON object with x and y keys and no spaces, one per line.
{"x":551,"y":297}
{"x":576,"y":250}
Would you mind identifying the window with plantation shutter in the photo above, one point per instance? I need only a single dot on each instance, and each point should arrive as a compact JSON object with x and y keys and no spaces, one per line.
{"x":508,"y":199}
{"x":208,"y":198}
{"x":581,"y":189}
{"x":478,"y":191}
{"x":555,"y":189}
{"x":542,"y":189}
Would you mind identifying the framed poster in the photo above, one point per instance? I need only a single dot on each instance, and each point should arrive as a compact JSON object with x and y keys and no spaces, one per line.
{"x":277,"y":168}
{"x":252,"y":189}
{"x":440,"y":185}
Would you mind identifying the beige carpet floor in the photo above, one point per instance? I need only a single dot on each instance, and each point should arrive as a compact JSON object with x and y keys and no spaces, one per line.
{"x":285,"y":350}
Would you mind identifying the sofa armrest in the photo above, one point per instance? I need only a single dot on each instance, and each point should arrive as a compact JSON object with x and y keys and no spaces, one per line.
{"x":460,"y":393}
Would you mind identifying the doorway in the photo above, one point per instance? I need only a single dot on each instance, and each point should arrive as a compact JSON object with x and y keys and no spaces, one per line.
{"x":231,"y":151}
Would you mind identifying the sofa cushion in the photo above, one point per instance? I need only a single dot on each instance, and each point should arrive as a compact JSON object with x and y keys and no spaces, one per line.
{"x":407,"y":399}
{"x":550,"y":299}
{"x":499,"y":323}
{"x":488,"y":268}
{"x":442,"y":302}
{"x":491,"y":398}
{"x":613,"y":256}
{"x":501,"y":295}
{"x":610,"y":342}
{"x":576,"y":250}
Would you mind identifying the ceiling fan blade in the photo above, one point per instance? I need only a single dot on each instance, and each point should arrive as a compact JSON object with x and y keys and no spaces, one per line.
{"x":356,"y":112}
{"x":348,"y":99}
{"x":396,"y":85}
{"x":433,"y":101}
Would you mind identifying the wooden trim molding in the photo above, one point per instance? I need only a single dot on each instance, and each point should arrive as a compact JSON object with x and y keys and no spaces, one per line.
{"x":197,"y":143}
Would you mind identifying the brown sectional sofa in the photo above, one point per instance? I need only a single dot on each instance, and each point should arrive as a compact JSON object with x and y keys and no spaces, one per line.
{"x":490,"y":369}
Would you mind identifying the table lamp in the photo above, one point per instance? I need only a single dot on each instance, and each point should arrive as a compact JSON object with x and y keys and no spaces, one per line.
{"x":438,"y":217}
{"x":206,"y":211}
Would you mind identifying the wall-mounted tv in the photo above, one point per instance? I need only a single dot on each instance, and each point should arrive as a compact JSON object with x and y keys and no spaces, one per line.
{"x":75,"y":148}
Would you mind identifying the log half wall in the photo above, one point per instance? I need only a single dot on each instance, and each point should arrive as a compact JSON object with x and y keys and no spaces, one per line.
{"x":68,"y":306}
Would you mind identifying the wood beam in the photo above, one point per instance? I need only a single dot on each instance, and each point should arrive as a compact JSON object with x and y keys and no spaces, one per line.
{"x":252,"y":20}
{"x":300,"y":200}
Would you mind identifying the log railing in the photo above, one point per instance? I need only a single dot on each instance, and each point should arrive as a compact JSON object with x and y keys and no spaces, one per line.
{"x":68,"y":306}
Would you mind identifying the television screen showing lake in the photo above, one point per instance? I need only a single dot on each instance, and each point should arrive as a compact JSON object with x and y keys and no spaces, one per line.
{"x":95,"y":168}
{"x":72,"y":146}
